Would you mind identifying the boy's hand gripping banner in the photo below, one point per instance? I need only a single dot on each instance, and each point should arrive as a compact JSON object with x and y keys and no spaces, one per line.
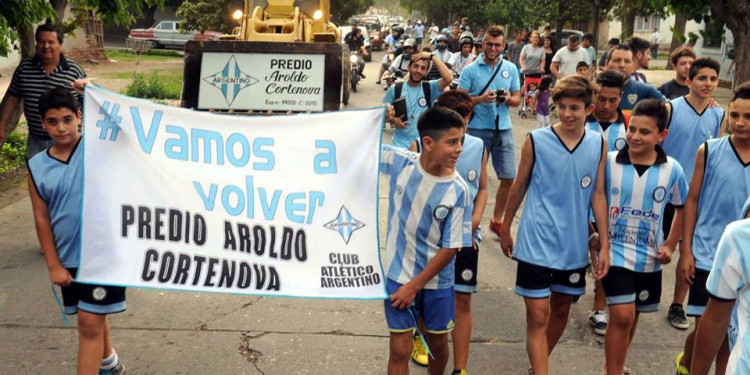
{"x":266,"y":205}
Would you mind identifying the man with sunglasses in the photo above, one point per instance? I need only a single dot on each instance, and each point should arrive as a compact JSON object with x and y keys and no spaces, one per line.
{"x":494,"y":86}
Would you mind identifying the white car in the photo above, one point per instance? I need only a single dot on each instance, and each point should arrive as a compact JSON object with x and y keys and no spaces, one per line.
{"x":167,"y":33}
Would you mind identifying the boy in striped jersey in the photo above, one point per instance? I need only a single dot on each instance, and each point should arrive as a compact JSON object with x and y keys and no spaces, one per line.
{"x":720,"y":185}
{"x":726,"y":282}
{"x":609,"y":120}
{"x":562,"y":169}
{"x":429,"y":218}
{"x":640,"y":180}
{"x":693,"y":119}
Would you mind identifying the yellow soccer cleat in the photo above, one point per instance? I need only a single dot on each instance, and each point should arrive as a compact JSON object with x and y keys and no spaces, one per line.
{"x":419,"y":352}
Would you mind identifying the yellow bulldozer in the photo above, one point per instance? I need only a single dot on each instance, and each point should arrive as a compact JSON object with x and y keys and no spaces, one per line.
{"x":284,"y":56}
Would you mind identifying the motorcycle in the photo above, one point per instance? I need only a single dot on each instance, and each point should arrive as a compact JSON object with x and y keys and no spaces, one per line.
{"x":389,"y":79}
{"x":355,"y":66}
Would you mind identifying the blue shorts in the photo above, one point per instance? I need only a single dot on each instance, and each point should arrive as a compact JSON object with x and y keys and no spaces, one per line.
{"x":435,"y":306}
{"x":501,"y":148}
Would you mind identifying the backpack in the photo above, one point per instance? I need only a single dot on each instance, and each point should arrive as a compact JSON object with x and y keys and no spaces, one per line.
{"x":425,"y":88}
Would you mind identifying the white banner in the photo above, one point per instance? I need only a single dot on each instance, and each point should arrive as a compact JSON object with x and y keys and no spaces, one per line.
{"x":278,"y":206}
{"x":262,"y":81}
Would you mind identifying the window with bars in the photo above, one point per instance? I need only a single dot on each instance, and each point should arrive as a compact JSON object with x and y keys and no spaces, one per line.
{"x":647,"y":23}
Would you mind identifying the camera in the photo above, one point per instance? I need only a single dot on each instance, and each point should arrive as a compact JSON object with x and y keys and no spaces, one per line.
{"x":500,"y":96}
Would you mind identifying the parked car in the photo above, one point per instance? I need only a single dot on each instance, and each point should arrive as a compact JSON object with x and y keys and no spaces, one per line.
{"x":167,"y":33}
{"x":563,"y":39}
{"x":346,"y":29}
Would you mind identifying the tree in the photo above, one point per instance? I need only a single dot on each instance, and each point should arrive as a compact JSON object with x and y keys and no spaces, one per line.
{"x":206,"y":15}
{"x":18,"y":18}
{"x":342,"y":10}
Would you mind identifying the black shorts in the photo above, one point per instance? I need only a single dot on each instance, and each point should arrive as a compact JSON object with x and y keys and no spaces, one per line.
{"x":466,"y":270}
{"x":698,"y":297}
{"x":95,"y":299}
{"x":622,"y":286}
{"x":534,"y":281}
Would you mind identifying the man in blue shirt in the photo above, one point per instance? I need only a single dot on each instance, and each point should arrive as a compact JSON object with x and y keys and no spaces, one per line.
{"x":494,"y":86}
{"x":419,"y":96}
{"x":621,"y":59}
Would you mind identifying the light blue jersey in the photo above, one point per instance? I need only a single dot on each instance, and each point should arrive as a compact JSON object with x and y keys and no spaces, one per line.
{"x":636,"y":207}
{"x":614,"y":133}
{"x":726,"y":186}
{"x":730,"y":280}
{"x":416,"y":104}
{"x":425,"y":213}
{"x":554,"y":226}
{"x":469,"y":166}
{"x":60,"y":185}
{"x":688,"y":129}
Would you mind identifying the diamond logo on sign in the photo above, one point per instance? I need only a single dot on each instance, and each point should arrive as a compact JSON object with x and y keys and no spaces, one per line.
{"x":345,"y":224}
{"x":230,"y":80}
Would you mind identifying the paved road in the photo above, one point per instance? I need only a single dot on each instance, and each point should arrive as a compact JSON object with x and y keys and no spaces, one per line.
{"x":192,"y":333}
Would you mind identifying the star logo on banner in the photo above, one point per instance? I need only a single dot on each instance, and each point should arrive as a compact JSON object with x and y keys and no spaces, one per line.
{"x":231,"y":80}
{"x":345,"y":224}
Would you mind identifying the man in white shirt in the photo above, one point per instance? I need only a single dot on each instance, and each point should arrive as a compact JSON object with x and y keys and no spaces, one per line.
{"x":655,"y":43}
{"x":567,"y":58}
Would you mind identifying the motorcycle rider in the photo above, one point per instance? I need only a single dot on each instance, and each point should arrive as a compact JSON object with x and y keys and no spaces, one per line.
{"x":462,"y":58}
{"x":356,"y":43}
{"x":443,"y":53}
{"x":401,"y":63}
{"x":392,"y":45}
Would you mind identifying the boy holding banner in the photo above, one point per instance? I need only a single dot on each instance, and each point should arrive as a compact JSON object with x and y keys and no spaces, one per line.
{"x":429,"y":218}
{"x":56,"y":189}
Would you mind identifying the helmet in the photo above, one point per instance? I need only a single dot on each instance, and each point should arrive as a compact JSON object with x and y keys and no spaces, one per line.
{"x":465,"y":40}
{"x":411,"y":42}
{"x":441,"y":38}
{"x":399,"y":30}
{"x":445,"y":31}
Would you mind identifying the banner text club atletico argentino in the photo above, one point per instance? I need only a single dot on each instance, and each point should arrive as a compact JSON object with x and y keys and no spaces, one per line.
{"x":267,"y":205}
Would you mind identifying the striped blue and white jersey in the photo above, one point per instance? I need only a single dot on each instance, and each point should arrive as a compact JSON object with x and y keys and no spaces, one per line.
{"x":60,"y":185}
{"x":726,"y":186}
{"x":730,"y":280}
{"x":688,"y":129}
{"x":636,"y":205}
{"x":735,"y":321}
{"x":425,"y":213}
{"x":553,"y":232}
{"x":614,"y":133}
{"x":469,"y":166}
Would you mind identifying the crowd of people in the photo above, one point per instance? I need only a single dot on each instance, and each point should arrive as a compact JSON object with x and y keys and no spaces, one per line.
{"x":630,"y":174}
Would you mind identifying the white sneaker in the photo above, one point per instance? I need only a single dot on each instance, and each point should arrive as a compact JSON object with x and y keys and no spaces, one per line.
{"x":598,"y":321}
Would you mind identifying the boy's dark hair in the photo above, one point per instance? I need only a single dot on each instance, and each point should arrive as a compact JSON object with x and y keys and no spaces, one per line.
{"x":55,"y":98}
{"x":436,"y":120}
{"x":48,"y":27}
{"x":741,"y":92}
{"x":589,"y":37}
{"x":545,"y":83}
{"x":703,"y":62}
{"x":611,"y":78}
{"x":654,"y":108}
{"x":582,"y":64}
{"x":614,"y":41}
{"x":573,"y":38}
{"x":458,"y":100}
{"x":494,"y":31}
{"x":679,"y":53}
{"x":575,"y":87}
{"x":638,"y":45}
{"x":620,"y":47}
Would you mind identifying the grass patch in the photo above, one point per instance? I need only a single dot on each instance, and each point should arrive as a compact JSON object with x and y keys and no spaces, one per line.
{"x":151,"y":55}
{"x":157,"y":85}
{"x":13,"y":153}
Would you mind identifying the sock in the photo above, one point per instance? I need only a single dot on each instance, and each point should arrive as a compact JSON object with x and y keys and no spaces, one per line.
{"x":675,"y":305}
{"x":109,"y":362}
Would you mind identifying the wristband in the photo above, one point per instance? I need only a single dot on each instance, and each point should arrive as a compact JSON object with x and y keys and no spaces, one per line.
{"x":592,"y":236}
